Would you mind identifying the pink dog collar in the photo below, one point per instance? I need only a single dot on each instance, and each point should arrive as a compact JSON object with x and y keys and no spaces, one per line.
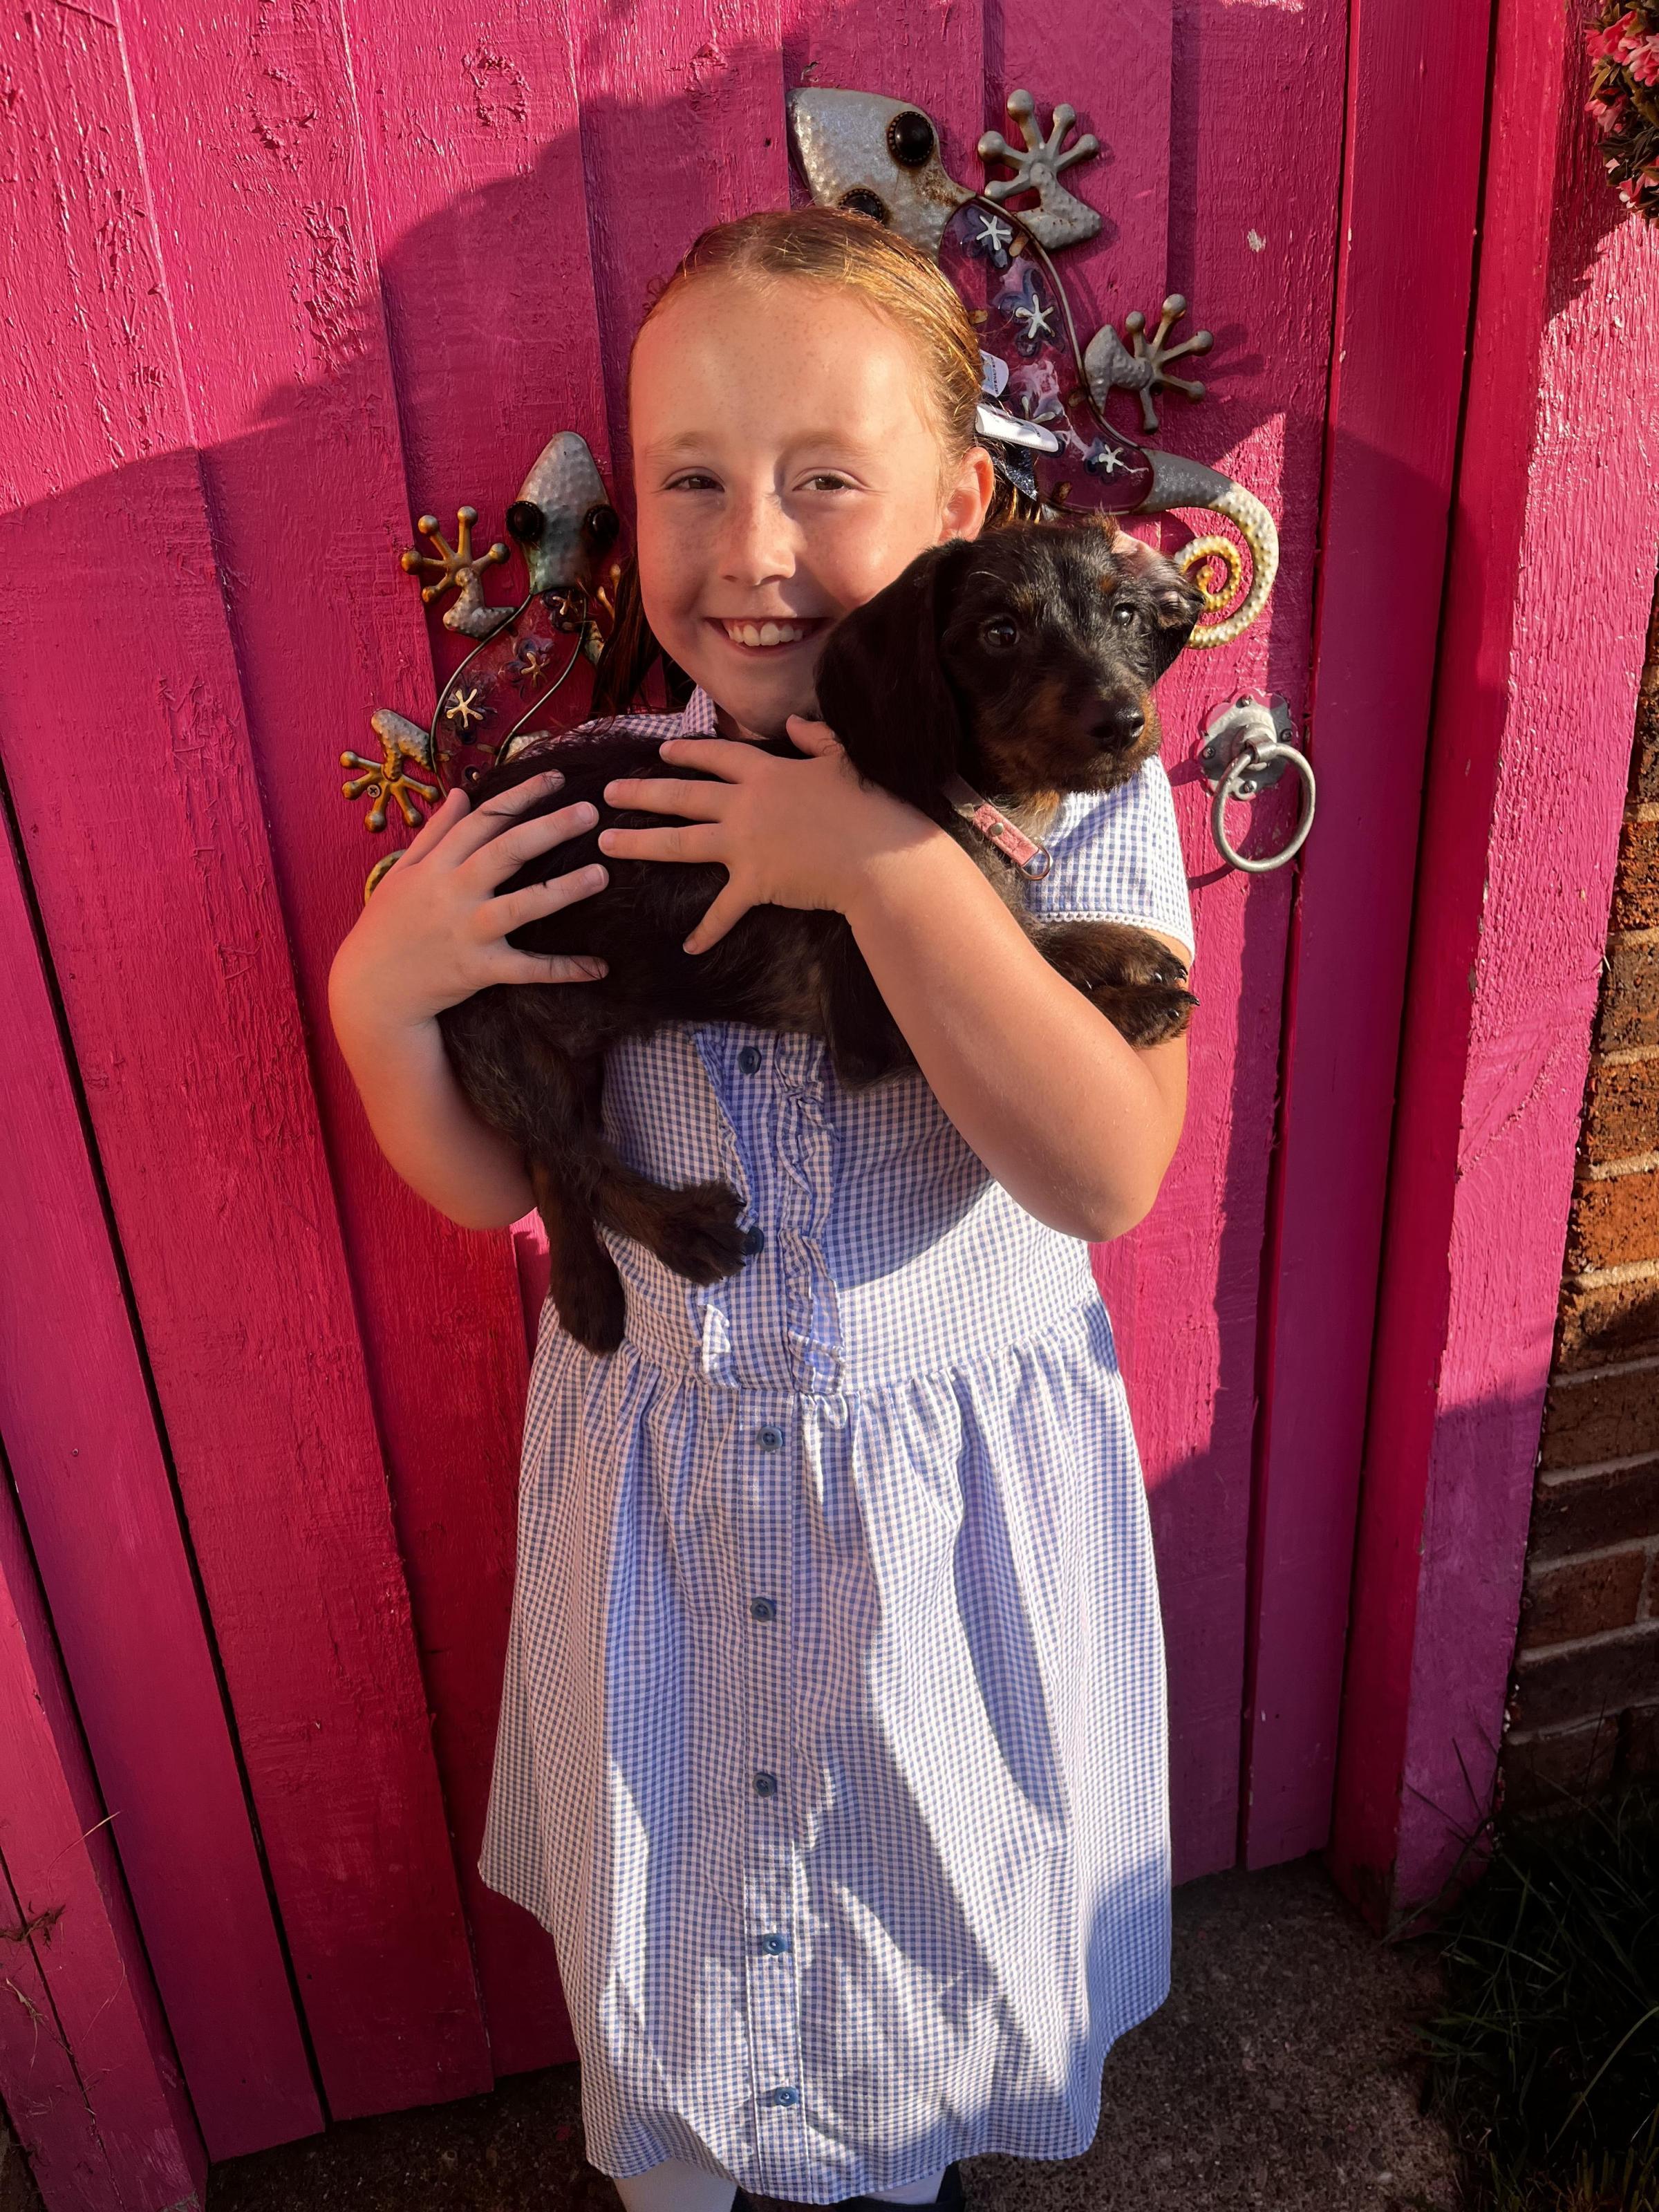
{"x":1033,"y":860}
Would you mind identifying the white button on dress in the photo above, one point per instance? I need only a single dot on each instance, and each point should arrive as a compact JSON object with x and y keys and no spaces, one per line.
{"x":832,"y":1747}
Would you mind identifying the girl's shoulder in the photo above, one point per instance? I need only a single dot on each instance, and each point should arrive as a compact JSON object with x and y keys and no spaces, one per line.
{"x":1116,"y":857}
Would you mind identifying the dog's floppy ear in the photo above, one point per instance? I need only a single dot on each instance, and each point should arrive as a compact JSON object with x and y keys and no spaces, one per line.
{"x":1176,"y":603}
{"x":881,"y":685}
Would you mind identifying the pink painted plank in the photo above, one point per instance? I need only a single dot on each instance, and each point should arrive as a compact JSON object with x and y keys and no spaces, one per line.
{"x":530,"y":1256}
{"x":90,"y":1476}
{"x":155,"y":881}
{"x":473,"y":180}
{"x":1515,"y":885}
{"x":87,"y":2072}
{"x":1406,"y":267}
{"x":1252,"y":241}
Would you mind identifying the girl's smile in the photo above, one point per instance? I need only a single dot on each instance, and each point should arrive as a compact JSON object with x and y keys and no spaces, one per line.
{"x":767,"y":634}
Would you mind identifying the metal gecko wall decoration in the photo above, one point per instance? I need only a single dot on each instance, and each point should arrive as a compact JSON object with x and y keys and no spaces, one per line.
{"x":1042,"y":415}
{"x":566,"y":532}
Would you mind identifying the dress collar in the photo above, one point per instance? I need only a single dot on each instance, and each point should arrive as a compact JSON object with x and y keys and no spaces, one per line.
{"x":697,"y":719}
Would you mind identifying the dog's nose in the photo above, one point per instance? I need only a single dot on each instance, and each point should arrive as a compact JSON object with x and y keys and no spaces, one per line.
{"x":1120,"y":724}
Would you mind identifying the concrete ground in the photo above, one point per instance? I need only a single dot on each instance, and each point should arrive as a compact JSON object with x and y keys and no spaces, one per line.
{"x":1279,"y":2073}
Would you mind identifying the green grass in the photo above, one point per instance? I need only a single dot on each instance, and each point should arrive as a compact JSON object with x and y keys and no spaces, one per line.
{"x":1545,"y":2059}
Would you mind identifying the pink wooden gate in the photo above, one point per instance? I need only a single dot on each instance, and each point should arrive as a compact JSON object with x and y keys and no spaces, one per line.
{"x":290,"y":274}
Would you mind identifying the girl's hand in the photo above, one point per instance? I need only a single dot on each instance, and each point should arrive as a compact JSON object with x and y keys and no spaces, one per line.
{"x":432,"y":930}
{"x":788,"y":833}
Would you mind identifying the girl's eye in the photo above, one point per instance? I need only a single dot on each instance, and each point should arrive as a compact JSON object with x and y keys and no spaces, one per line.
{"x":827,"y":480}
{"x":1125,"y":616}
{"x":999,"y":633}
{"x":693,"y":480}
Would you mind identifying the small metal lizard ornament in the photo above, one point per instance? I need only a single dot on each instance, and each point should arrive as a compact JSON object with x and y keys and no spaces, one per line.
{"x":565,"y":531}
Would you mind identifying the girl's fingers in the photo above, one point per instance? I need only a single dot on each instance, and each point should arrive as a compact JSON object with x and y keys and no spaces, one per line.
{"x":510,"y":967}
{"x":812,"y":737}
{"x":526,"y":841}
{"x":728,"y":910}
{"x":727,"y":756}
{"x":502,"y":915}
{"x":701,"y":802}
{"x":450,"y":810}
{"x":488,"y":821}
{"x":697,"y":841}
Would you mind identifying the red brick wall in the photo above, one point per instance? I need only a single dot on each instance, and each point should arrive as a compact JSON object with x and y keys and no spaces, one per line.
{"x":1584,"y":1706}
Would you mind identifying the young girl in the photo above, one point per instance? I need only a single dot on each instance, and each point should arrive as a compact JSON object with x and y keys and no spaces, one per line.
{"x":832,"y":1749}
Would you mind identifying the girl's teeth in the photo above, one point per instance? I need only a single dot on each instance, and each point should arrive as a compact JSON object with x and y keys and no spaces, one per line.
{"x":771,"y":633}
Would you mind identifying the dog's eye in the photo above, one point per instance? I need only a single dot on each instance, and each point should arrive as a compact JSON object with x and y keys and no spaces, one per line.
{"x":1125,"y":616}
{"x":999,"y":633}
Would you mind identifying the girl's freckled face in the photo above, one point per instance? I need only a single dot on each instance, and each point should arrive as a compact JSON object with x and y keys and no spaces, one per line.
{"x":785,"y":468}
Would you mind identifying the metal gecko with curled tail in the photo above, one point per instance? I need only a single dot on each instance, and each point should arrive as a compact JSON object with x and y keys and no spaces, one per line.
{"x":565,"y":529}
{"x":1043,"y":396}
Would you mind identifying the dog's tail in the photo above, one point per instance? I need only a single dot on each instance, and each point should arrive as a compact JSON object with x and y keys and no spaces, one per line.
{"x":1177,"y":482}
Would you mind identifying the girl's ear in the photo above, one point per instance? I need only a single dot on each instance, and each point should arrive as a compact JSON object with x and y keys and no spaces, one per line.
{"x":967,"y":506}
{"x":881,"y":687}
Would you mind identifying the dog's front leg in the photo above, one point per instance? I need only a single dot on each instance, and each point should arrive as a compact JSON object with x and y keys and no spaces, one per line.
{"x":693,"y":1228}
{"x":1135,"y":979}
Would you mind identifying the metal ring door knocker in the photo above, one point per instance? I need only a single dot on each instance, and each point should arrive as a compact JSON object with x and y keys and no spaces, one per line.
{"x":1247,"y":748}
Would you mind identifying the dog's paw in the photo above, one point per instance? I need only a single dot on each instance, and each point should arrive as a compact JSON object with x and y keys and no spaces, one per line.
{"x":1147,"y":1013}
{"x":698,"y":1233}
{"x":1139,"y":961}
{"x":594,"y":1311}
{"x":1103,"y":956}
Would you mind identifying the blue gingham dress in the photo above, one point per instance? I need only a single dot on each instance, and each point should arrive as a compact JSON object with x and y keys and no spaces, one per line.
{"x":832,"y":1748}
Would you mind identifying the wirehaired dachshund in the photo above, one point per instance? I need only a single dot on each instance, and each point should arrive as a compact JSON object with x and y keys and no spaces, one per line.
{"x":1020,"y":665}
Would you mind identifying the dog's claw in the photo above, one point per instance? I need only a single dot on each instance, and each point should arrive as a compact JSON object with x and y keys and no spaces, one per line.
{"x":1149,"y":1014}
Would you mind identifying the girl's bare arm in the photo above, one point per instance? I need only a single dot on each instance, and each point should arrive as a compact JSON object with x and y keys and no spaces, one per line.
{"x":432,"y":935}
{"x":1073,"y":1121}
{"x":423,"y":1124}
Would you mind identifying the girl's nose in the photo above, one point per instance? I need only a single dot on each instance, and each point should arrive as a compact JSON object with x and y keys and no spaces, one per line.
{"x":757,"y":544}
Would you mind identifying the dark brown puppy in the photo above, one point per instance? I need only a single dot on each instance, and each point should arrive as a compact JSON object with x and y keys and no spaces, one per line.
{"x":1021,"y":662}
